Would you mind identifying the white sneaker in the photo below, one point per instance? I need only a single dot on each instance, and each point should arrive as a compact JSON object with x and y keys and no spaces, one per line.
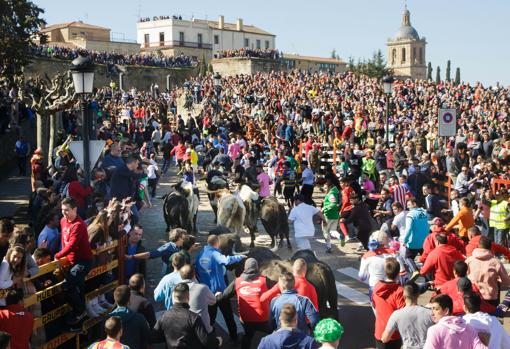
{"x":91,"y":312}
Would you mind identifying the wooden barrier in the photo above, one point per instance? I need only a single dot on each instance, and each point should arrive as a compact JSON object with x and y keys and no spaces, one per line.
{"x":499,"y":183}
{"x":119,"y":246}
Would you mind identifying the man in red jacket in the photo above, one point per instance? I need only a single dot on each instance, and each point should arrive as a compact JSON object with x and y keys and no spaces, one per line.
{"x":301,"y":284}
{"x":253,"y":312}
{"x":430,"y":242}
{"x":388,"y":296}
{"x":17,"y":322}
{"x":440,"y":261}
{"x":475,"y":235}
{"x":76,"y":249}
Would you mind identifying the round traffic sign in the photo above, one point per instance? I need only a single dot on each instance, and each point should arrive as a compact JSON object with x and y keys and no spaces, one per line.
{"x":447,"y":117}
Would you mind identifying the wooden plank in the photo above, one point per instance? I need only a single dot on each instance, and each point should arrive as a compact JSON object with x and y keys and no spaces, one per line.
{"x":101,"y":290}
{"x":51,"y":316}
{"x":101,"y":269}
{"x":42,"y":295}
{"x":44,"y":269}
{"x":111,"y":246}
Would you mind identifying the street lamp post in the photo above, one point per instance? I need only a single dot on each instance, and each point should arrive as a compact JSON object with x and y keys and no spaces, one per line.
{"x":217,"y":89}
{"x":82,"y":69}
{"x":388,"y":89}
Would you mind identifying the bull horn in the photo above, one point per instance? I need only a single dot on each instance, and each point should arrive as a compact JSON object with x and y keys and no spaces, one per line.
{"x":274,"y":249}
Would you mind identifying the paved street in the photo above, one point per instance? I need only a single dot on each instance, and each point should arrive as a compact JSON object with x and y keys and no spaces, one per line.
{"x":355,"y":313}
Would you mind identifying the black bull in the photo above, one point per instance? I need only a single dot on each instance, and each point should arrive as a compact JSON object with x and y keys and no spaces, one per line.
{"x":319,"y":274}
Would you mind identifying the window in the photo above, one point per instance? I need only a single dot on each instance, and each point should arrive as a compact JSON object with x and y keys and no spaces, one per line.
{"x":421,"y":55}
{"x":246,"y":43}
{"x":403,"y":60}
{"x":414,"y":58}
{"x":181,"y":38}
{"x":146,"y":41}
{"x":258,"y":44}
{"x":199,"y":40}
{"x":267,"y":44}
{"x":393,"y":56}
{"x":161,"y":39}
{"x":216,"y":39}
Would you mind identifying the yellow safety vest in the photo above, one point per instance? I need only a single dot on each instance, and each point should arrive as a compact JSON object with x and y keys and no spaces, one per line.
{"x":498,"y":214}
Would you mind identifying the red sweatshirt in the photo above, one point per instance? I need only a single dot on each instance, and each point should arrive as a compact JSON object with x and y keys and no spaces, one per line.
{"x":450,"y":288}
{"x":301,"y":285}
{"x":387,"y":297}
{"x":430,"y":243}
{"x":75,"y":241}
{"x":473,"y":243}
{"x":440,"y":261}
{"x":18,"y":322}
{"x":79,"y":193}
{"x":179,"y":151}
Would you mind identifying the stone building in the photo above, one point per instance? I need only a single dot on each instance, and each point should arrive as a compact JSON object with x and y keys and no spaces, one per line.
{"x":406,"y":51}
{"x":198,"y":38}
{"x":313,"y":64}
{"x":78,"y":34}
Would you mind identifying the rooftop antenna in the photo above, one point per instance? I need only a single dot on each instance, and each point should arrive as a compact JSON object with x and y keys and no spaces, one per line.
{"x":405,"y":5}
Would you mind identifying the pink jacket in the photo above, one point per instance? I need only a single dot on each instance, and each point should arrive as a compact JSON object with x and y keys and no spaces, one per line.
{"x":452,"y":332}
{"x":485,"y":271}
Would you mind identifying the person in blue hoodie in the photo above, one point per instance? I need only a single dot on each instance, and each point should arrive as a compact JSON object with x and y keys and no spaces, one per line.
{"x":210,"y":270}
{"x":136,"y":333}
{"x":288,"y":335}
{"x":417,"y":229}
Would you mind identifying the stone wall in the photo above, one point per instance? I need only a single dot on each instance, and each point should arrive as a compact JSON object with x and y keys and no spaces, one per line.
{"x":242,"y":65}
{"x":133,"y":76}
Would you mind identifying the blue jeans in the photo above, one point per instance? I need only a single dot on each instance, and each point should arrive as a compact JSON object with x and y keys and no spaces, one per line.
{"x":166,"y":164}
{"x":74,"y":286}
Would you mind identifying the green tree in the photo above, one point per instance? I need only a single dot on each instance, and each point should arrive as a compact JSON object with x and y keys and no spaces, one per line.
{"x":429,"y":72}
{"x":374,"y":67}
{"x":20,"y":20}
{"x":457,"y":76}
{"x":448,"y":70}
{"x":210,"y":68}
{"x":438,"y":75}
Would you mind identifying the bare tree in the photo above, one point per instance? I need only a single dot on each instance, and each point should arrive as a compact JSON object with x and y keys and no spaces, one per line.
{"x":47,"y":96}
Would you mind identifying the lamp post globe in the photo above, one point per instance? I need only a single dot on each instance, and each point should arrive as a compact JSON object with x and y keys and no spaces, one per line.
{"x":388,"y":84}
{"x":82,"y":70}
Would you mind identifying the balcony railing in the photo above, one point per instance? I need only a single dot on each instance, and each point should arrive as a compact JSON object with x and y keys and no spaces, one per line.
{"x":176,"y":43}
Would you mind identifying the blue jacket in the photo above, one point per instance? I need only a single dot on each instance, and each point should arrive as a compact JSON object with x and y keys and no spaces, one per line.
{"x":163,"y":291}
{"x":164,"y":251}
{"x":417,"y":228}
{"x":285,"y":339}
{"x":304,"y":309}
{"x":210,"y":268}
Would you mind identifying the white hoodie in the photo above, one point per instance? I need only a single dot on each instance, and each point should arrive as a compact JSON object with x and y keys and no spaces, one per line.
{"x":484,"y":322}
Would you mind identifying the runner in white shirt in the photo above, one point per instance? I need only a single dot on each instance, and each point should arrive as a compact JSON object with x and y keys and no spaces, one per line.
{"x":301,"y":216}
{"x":399,"y":221}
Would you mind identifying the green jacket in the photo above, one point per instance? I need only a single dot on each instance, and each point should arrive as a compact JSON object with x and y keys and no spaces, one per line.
{"x":330,"y":207}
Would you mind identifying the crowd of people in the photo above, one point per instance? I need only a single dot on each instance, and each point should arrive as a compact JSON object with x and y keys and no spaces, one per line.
{"x":112,"y":58}
{"x":251,"y":53}
{"x":272,"y":131}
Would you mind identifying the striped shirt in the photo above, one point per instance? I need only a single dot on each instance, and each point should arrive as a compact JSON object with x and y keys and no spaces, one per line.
{"x":400,"y":194}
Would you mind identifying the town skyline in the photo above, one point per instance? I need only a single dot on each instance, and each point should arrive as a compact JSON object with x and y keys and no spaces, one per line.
{"x":467,"y":40}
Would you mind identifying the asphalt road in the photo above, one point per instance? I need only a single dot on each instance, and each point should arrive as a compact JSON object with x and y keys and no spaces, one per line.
{"x":354,"y":310}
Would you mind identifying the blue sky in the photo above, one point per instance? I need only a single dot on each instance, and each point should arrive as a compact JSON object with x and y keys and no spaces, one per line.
{"x":473,"y":34}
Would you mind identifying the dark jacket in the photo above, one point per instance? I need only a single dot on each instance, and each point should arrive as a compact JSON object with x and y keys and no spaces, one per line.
{"x":285,"y":339}
{"x":140,"y":265}
{"x":139,"y":304}
{"x":179,"y":327}
{"x":135,"y":330}
{"x":123,"y":182}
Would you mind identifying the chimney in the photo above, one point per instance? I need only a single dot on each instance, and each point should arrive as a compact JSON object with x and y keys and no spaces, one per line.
{"x":239,"y":24}
{"x":221,"y":22}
